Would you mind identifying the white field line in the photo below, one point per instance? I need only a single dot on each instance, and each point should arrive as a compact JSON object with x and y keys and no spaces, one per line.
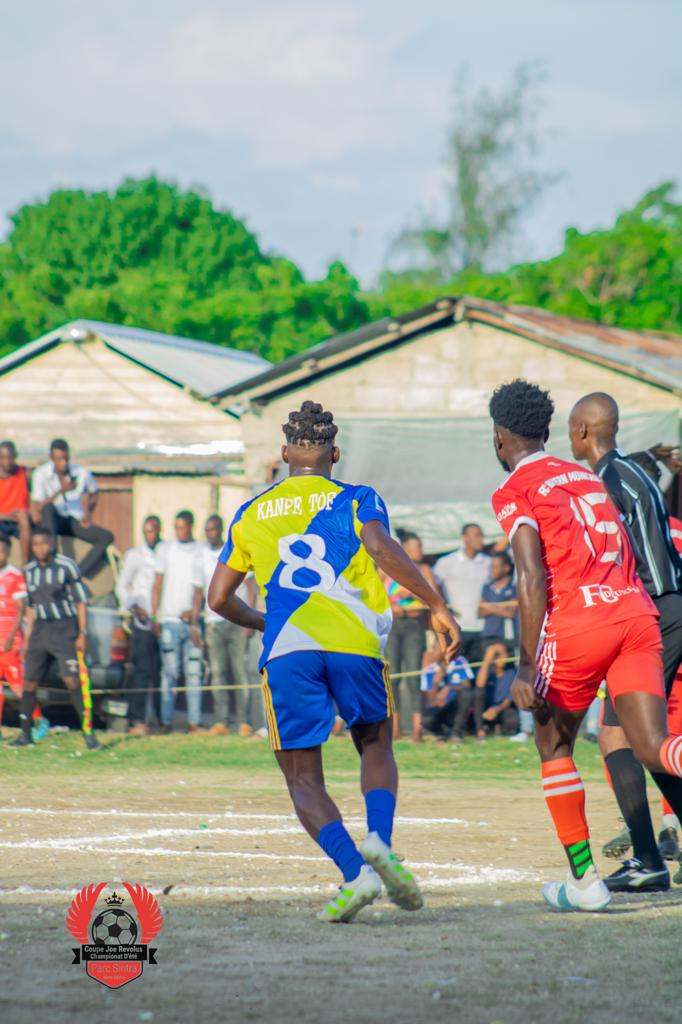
{"x":470,"y":876}
{"x":215,"y":816}
{"x":85,"y":845}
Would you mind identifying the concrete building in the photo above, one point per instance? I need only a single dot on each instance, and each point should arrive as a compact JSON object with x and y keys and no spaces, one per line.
{"x":134,"y":406}
{"x":410,"y":395}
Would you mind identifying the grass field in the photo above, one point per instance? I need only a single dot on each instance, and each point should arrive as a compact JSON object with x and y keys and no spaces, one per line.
{"x":205,"y":823}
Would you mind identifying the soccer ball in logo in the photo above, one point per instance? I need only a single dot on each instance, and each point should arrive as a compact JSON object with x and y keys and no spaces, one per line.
{"x":114,"y":928}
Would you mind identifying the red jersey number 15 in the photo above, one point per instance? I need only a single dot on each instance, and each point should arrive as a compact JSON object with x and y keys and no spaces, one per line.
{"x":583,"y":509}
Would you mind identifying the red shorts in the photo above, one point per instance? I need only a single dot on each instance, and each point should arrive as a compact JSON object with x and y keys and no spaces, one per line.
{"x":11,"y":670}
{"x":626,"y":654}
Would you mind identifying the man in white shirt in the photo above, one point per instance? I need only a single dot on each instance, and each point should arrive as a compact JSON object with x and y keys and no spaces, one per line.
{"x":461,"y":576}
{"x":63,"y":501}
{"x":172,"y":599}
{"x":134,"y":591}
{"x":226,"y":643}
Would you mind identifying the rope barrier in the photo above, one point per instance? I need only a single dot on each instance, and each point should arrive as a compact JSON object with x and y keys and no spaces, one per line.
{"x":257,"y":686}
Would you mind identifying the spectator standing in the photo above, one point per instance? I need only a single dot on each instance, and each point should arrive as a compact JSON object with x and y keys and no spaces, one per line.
{"x":14,"y":500}
{"x":64,"y":498}
{"x":56,"y":631}
{"x":134,"y":591}
{"x":461,"y":576}
{"x":407,"y":642}
{"x":172,"y":599}
{"x":499,"y":606}
{"x":226,"y":643}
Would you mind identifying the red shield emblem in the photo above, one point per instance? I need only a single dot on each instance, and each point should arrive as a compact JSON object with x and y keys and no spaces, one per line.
{"x":114,"y":938}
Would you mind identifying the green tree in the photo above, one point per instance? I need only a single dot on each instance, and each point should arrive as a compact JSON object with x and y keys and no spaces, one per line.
{"x":492,"y":182}
{"x":628,"y":275}
{"x":153,"y":256}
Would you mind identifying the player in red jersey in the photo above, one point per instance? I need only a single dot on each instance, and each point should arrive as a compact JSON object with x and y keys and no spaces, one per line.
{"x":584,"y":617}
{"x":12,"y":605}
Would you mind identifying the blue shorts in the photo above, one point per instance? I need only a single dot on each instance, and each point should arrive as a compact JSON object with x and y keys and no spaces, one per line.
{"x":301,"y":688}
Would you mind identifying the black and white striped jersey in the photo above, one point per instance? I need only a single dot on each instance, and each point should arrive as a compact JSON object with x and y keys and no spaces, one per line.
{"x":54,"y":589}
{"x":642,"y":506}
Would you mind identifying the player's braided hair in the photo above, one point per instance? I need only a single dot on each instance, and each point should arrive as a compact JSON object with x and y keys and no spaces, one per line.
{"x":523,"y":408}
{"x":310,"y":426}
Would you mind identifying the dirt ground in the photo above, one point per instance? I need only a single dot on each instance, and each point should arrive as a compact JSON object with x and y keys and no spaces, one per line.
{"x":240,"y":940}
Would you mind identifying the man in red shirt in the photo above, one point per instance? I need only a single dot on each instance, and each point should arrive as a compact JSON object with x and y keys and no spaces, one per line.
{"x":12,"y":606}
{"x":14,"y":500}
{"x":584,"y":617}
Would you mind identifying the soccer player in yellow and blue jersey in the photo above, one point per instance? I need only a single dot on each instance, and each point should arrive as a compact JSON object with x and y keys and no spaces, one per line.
{"x":314,"y":545}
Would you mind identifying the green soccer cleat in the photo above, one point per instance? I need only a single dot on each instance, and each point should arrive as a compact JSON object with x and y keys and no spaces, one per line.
{"x":401,"y":885}
{"x":352,"y":897}
{"x":568,"y":896}
{"x":618,"y":846}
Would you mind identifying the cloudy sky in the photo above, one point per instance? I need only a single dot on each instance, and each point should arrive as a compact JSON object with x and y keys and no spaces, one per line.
{"x":323,"y":122}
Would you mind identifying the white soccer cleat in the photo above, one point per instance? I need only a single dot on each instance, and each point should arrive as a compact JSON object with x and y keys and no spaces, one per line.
{"x":567,"y":896}
{"x":352,"y":897}
{"x":401,"y":885}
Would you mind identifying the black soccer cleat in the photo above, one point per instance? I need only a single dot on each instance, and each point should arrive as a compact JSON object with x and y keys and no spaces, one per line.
{"x":668,"y":844}
{"x":21,"y":741}
{"x":634,"y":877}
{"x":91,"y":741}
{"x":618,"y":846}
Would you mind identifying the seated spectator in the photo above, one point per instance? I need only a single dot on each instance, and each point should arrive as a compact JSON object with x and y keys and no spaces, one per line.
{"x":498,"y":606}
{"x":14,"y":500}
{"x":63,"y":501}
{"x":441,"y":683}
{"x":226,"y":643}
{"x":172,"y":600}
{"x":407,"y":642}
{"x":498,"y":670}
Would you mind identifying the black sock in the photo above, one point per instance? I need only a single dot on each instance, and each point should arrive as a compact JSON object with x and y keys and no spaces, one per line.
{"x":629,"y":785}
{"x":28,"y":702}
{"x":76,"y":698}
{"x":671,"y":788}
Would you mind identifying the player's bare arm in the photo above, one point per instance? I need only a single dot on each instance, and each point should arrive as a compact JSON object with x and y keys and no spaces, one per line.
{"x":222,"y":598}
{"x":395,"y":562}
{"x":532,"y":590}
{"x":16,"y":625}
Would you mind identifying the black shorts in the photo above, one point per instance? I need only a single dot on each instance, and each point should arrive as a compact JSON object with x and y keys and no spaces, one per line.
{"x":670,"y":623}
{"x":51,"y":641}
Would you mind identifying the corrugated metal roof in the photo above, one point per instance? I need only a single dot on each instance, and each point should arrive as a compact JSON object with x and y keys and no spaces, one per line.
{"x":198,"y":365}
{"x":654,"y":357}
{"x":648,"y":355}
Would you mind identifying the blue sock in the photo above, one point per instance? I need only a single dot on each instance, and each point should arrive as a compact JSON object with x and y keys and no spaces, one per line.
{"x":380,"y":810}
{"x":338,"y":845}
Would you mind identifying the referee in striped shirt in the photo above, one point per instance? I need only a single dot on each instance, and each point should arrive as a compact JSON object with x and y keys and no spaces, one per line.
{"x":593,"y":427}
{"x":56,"y":630}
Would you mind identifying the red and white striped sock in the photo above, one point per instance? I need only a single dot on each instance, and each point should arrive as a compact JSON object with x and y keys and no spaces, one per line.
{"x":671,"y":755}
{"x":565,"y":796}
